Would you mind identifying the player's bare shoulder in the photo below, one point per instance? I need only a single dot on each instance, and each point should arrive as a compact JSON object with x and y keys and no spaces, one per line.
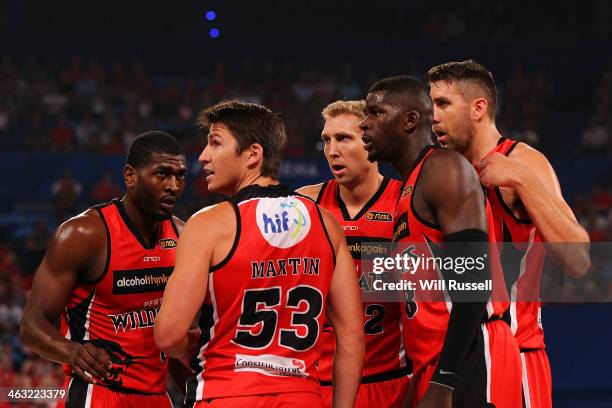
{"x":80,"y":245}
{"x":85,"y":231}
{"x":447,"y":171}
{"x":218,"y":220}
{"x":311,"y":191}
{"x":529,"y":156}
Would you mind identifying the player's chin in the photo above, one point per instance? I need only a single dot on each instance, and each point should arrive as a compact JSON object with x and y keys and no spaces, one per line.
{"x":373,"y":155}
{"x":162,"y":215}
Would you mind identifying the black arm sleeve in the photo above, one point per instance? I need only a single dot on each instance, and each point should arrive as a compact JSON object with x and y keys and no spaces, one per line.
{"x":470,"y":252}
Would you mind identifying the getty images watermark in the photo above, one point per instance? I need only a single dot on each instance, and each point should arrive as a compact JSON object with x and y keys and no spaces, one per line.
{"x":523,"y":272}
{"x":408,"y":264}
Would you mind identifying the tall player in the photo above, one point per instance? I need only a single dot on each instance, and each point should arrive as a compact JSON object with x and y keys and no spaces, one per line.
{"x":104,"y":275}
{"x":264,"y":269}
{"x":526,"y":201}
{"x":463,"y":354}
{"x":363,"y":202}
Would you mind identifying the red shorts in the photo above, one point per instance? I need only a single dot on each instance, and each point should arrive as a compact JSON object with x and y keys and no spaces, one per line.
{"x":537,"y":379}
{"x":83,"y":395}
{"x":491,"y":372}
{"x":281,"y":400}
{"x":384,"y":394}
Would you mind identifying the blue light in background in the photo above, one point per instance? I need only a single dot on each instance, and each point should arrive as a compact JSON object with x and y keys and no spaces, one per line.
{"x":214,"y":32}
{"x":211,"y":15}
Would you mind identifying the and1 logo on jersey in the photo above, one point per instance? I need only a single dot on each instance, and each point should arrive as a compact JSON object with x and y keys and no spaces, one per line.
{"x":283,"y":221}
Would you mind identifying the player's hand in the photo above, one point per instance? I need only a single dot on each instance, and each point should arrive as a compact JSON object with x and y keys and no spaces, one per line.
{"x":193,"y":336}
{"x":90,"y":363}
{"x":497,"y":170}
{"x":437,"y":396}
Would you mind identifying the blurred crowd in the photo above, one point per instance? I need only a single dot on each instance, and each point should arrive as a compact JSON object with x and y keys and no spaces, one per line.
{"x":87,"y":106}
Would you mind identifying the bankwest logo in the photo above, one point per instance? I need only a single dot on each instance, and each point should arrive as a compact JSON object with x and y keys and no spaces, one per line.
{"x":126,"y":282}
{"x":378,"y":216}
{"x":269,"y":364}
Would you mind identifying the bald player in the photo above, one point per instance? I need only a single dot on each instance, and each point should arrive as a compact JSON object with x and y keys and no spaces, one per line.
{"x":363,"y":201}
{"x":526,"y":201}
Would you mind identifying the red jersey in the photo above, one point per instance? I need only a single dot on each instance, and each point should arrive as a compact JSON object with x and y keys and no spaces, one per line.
{"x":385,"y":357}
{"x":117,"y":312}
{"x":264,"y":310}
{"x":425,"y":318}
{"x":523,"y":262}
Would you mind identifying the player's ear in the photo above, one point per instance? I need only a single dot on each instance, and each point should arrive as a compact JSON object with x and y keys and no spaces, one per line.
{"x":255,"y":154}
{"x":130,"y":175}
{"x":479,"y":108}
{"x":410,"y":120}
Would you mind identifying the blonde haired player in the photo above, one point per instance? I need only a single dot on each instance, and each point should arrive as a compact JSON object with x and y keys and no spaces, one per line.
{"x":363,"y":202}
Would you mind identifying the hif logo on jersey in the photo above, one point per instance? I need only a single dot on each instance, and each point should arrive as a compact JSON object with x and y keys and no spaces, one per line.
{"x":283,"y":221}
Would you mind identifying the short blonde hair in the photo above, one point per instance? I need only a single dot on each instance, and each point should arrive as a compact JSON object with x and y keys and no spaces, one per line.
{"x":344,"y":108}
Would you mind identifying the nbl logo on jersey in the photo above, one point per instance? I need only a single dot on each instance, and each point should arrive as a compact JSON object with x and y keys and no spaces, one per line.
{"x":167,"y":243}
{"x":378,"y":216}
{"x":283,"y":221}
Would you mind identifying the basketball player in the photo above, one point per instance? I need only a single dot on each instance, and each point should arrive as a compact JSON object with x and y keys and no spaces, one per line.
{"x":363,"y":202}
{"x":463,"y":355}
{"x":526,"y":201}
{"x":104,"y":274}
{"x":263,"y":269}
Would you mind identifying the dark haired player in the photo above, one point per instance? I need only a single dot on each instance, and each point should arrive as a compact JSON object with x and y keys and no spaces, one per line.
{"x":264,"y":269}
{"x":526,"y":201}
{"x":104,"y":275}
{"x":463,"y":355}
{"x":363,"y":202}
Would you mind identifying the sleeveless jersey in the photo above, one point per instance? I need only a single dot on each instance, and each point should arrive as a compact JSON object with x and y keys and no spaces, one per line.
{"x":385,"y":357}
{"x":426,"y":312}
{"x":117,"y":312}
{"x":523,"y":262}
{"x":264,"y":310}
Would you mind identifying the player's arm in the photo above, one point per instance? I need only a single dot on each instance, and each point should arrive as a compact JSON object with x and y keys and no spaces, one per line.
{"x":72,"y":253}
{"x":186,"y":288}
{"x":311,"y":191}
{"x":530,"y":174}
{"x":452,"y":190}
{"x":344,"y":313}
{"x":179,"y":372}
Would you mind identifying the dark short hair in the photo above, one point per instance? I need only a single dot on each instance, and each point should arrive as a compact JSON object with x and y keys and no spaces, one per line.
{"x":145,"y":144}
{"x":406,"y":91}
{"x":470,"y":71}
{"x":251,"y":123}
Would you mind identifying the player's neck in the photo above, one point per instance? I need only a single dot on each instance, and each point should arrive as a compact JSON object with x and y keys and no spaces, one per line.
{"x":484,"y":141}
{"x":146,"y":226}
{"x":356,"y":196}
{"x":405,"y":162}
{"x":254,"y":178}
